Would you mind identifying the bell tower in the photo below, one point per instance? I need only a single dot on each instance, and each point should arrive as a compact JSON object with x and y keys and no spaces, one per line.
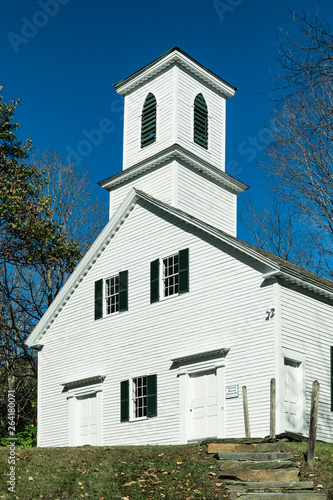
{"x":174,"y":139}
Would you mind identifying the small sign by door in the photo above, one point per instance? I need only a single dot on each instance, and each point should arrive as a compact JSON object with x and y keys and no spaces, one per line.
{"x":232,"y":391}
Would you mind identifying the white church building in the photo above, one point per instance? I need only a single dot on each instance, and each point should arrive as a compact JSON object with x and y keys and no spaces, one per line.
{"x":169,"y":314}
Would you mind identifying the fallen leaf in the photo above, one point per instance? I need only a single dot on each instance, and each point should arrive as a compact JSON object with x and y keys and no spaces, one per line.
{"x":160,"y":455}
{"x":130,"y":484}
{"x":30,"y":478}
{"x":212,"y":474}
{"x":179,"y":463}
{"x":219,"y":484}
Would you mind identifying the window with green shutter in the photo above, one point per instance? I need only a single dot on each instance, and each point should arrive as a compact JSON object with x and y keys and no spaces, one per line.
{"x":148,"y":121}
{"x":200,"y":121}
{"x":138,"y":398}
{"x":175,"y":277}
{"x":111,"y":295}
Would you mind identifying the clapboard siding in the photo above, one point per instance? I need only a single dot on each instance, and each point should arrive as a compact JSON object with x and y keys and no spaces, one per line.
{"x":206,"y":200}
{"x":306,"y":327}
{"x":175,"y":91}
{"x":162,"y":88}
{"x":147,"y":337}
{"x":188,"y":88}
{"x":157,"y":183}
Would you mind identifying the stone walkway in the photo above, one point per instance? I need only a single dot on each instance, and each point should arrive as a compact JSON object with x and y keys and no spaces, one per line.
{"x":254,"y":469}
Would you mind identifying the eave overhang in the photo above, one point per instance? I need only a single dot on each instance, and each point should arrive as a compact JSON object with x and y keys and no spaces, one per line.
{"x":173,"y":57}
{"x":307,"y":283}
{"x":174,"y":152}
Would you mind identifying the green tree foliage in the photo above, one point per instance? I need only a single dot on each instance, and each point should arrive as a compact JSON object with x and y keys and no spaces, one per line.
{"x":27,"y":233}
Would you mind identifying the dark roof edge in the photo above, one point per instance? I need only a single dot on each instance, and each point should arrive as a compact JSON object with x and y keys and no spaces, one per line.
{"x":285,"y":267}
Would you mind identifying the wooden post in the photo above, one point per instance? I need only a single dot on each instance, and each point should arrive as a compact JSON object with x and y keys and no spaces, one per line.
{"x":246,"y":413}
{"x":273,"y":410}
{"x":313,"y":422}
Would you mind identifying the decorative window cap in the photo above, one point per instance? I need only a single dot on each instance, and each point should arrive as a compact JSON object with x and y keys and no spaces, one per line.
{"x":96,"y":379}
{"x":215,"y":353}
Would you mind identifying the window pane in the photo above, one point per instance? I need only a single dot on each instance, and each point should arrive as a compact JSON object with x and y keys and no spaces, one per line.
{"x":112,"y":294}
{"x":170,"y":275}
{"x":139,"y":395}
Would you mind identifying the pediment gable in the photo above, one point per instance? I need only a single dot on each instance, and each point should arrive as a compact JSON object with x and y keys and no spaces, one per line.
{"x":278,"y":267}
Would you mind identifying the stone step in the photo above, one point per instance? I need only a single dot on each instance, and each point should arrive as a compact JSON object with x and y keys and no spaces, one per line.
{"x":245,"y":465}
{"x":256,"y":456}
{"x":269,"y":486}
{"x":238,"y":447}
{"x":260,"y":474}
{"x":278,"y":496}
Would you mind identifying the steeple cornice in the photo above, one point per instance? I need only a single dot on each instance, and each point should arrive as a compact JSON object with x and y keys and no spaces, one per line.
{"x":174,"y":152}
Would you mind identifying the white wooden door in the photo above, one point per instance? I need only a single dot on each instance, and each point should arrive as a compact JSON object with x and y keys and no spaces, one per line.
{"x":293,"y":395}
{"x":87,"y":419}
{"x":203,"y":406}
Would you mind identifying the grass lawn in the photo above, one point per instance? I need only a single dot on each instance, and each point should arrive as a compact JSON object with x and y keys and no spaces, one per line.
{"x":134,"y":473}
{"x":107,"y":473}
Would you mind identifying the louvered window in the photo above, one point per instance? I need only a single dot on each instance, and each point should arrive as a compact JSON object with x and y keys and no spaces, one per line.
{"x":200,"y":121}
{"x":148,"y":121}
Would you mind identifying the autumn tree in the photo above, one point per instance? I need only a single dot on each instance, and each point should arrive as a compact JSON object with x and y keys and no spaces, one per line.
{"x":48,"y":218}
{"x":298,"y":158}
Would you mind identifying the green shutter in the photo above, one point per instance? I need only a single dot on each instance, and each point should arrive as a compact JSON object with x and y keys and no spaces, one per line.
{"x":123,"y":291}
{"x":200,"y":129}
{"x":331,"y":378}
{"x":124,"y":401}
{"x":183,"y":285}
{"x":152,"y":396}
{"x":99,"y":299}
{"x":154,"y":281}
{"x":148,"y":121}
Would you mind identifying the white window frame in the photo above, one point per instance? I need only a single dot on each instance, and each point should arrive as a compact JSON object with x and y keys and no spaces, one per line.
{"x":163,"y":277}
{"x":133,"y":399}
{"x":105,"y":297}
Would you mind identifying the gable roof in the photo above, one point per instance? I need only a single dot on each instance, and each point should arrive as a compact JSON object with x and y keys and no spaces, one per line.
{"x":172,"y":57}
{"x":280,"y":268}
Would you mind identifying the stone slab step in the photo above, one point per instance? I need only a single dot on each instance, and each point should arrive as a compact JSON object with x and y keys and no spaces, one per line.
{"x":278,"y":496}
{"x":269,"y":486}
{"x":259,"y":475}
{"x":238,"y":440}
{"x":238,"y":447}
{"x":256,"y":456}
{"x":244,"y":465}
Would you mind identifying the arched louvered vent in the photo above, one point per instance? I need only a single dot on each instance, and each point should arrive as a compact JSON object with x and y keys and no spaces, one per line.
{"x":148,"y":121}
{"x":200,"y":121}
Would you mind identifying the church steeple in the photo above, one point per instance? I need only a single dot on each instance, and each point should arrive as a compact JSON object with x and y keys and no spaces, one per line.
{"x":183,"y":92}
{"x":174,"y":139}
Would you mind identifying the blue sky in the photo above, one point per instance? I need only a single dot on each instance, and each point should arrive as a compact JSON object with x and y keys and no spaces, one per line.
{"x":61,"y":57}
